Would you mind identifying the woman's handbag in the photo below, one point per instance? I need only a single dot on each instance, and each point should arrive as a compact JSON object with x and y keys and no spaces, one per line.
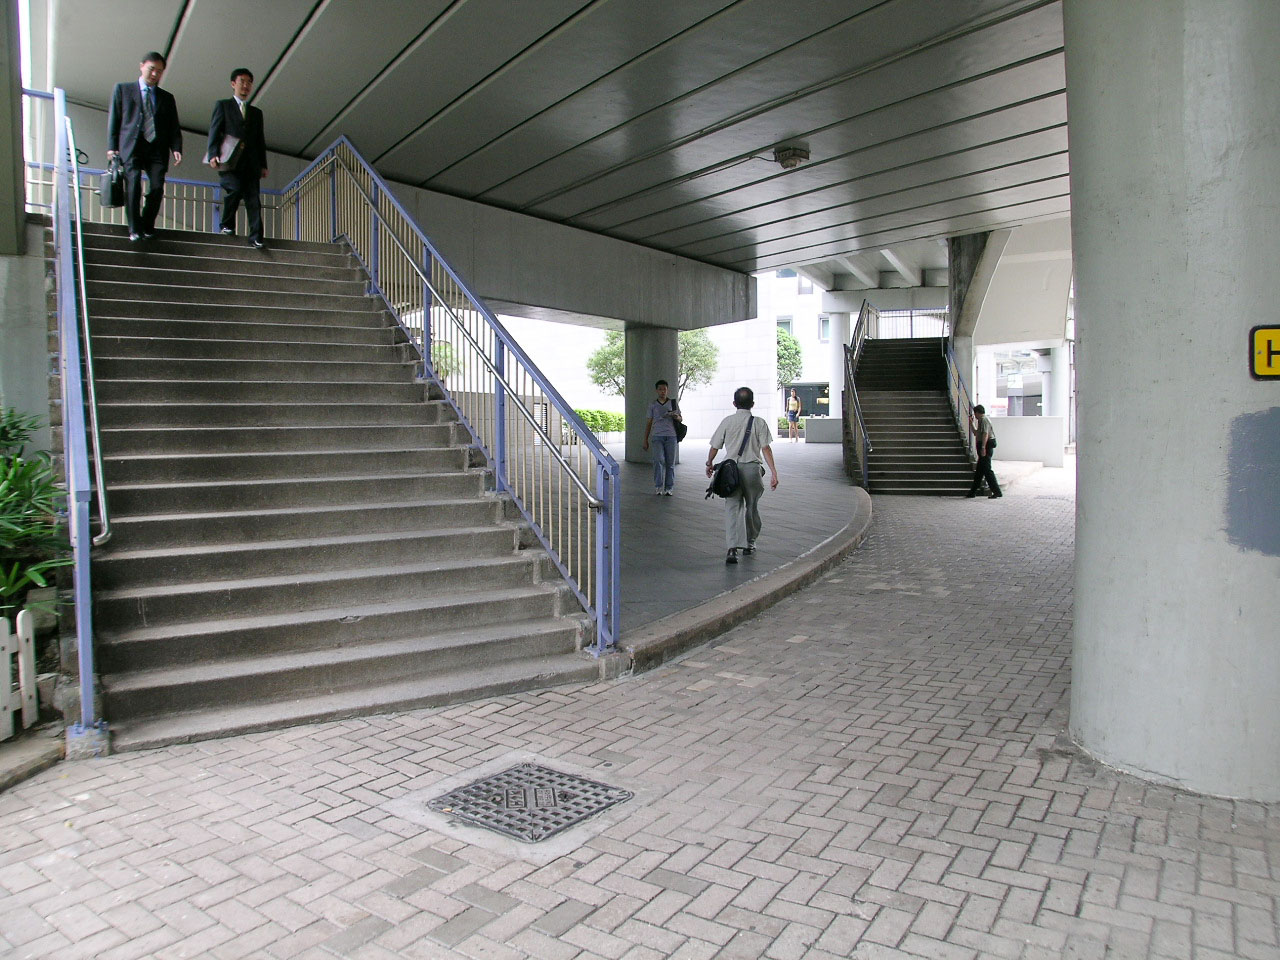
{"x":726,"y":478}
{"x":111,"y":184}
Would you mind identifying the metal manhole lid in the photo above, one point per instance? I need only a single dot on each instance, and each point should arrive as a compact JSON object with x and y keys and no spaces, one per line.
{"x":528,"y":802}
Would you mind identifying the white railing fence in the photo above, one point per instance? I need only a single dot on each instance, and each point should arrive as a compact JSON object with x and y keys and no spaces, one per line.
{"x":17,"y":675}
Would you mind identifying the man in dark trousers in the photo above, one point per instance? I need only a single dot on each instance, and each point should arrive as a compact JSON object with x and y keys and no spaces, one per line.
{"x":143,"y":130}
{"x":241,"y":168}
{"x":985,"y":437}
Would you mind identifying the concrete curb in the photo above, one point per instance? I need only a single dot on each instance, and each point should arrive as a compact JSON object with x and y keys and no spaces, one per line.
{"x":27,"y":755}
{"x":671,"y":636}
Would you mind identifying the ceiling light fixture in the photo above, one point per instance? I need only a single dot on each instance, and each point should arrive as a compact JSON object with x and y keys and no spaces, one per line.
{"x":790,"y":157}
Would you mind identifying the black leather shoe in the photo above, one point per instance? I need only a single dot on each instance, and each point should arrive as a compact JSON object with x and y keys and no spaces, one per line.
{"x":748,"y":550}
{"x":995,"y":496}
{"x":731,"y":556}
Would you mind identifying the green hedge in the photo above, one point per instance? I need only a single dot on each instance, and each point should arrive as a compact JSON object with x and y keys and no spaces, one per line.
{"x":782,"y":425}
{"x":603,"y":421}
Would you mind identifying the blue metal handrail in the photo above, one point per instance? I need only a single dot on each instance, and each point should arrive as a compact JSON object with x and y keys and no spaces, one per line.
{"x":74,"y":434}
{"x":570,"y":497}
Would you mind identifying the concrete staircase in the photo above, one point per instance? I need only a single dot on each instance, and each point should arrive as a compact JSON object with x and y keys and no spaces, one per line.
{"x":916,"y":448}
{"x":300,"y":531}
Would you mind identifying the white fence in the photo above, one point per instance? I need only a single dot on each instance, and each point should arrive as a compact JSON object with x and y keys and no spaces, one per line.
{"x":17,"y":675}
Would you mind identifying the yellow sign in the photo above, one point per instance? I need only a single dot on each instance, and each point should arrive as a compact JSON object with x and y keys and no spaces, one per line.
{"x":1264,"y":351}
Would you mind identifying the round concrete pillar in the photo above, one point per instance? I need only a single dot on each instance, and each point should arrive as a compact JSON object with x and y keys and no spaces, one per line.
{"x":652,"y":354}
{"x":1175,"y":160}
{"x":839,"y":335}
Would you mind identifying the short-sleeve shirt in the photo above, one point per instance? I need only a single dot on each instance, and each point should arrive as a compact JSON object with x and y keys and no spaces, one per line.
{"x":728,"y":436}
{"x":660,"y":414}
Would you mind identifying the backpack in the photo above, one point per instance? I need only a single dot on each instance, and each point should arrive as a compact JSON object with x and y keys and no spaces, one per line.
{"x":726,"y":478}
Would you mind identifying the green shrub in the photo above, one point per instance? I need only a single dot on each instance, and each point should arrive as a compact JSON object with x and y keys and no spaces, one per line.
{"x":32,"y":534}
{"x":782,"y":425}
{"x":603,"y":421}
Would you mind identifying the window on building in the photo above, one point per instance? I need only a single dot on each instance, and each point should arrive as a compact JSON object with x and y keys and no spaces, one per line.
{"x":824,"y":328}
{"x":784,"y":274}
{"x":785,"y":323}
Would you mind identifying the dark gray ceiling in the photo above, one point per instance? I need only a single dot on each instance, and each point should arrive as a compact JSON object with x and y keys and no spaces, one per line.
{"x":648,"y":120}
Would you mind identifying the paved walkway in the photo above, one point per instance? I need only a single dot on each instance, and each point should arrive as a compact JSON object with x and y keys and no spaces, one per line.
{"x":873,"y":768}
{"x":673,"y":547}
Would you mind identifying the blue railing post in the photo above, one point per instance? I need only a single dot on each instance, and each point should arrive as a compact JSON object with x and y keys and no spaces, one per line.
{"x":375,"y":268}
{"x":500,"y":416}
{"x":333,"y":201}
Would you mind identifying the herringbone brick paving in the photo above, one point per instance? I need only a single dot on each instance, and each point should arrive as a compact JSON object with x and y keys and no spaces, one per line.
{"x":874,"y":768}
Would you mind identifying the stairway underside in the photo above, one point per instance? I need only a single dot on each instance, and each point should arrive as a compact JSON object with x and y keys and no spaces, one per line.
{"x":300,"y":529}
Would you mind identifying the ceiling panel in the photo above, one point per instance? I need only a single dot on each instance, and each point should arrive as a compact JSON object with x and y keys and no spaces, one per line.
{"x":604,"y":37}
{"x":335,"y":57}
{"x":890,"y":179}
{"x":746,"y":32}
{"x":896,"y":82}
{"x":959,"y":115}
{"x":643,"y":120}
{"x":216,"y":37}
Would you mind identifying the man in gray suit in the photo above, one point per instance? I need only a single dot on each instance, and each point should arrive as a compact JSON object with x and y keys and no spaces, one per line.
{"x":143,"y":130}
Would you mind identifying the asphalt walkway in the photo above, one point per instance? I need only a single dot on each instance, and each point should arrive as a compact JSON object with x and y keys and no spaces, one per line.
{"x":875,"y":767}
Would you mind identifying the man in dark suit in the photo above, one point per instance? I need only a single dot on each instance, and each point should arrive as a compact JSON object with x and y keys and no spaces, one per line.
{"x":143,"y":129}
{"x":246,"y":164}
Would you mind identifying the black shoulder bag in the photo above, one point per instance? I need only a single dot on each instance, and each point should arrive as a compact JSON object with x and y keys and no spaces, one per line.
{"x":681,"y":430}
{"x":726,"y":478}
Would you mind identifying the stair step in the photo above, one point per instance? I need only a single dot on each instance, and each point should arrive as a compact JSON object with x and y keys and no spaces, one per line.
{"x":191,"y":564}
{"x":140,"y":293}
{"x":489,"y":680}
{"x":144,"y":498}
{"x":172,"y":278}
{"x":197,"y":529}
{"x":369,"y":315}
{"x":282,"y":353}
{"x":109,"y":328}
{"x":133,"y":607}
{"x":150,"y":368}
{"x":260,"y":391}
{"x":308,"y":673}
{"x":106,"y":263}
{"x":268,"y":414}
{"x":121,"y":442}
{"x":186,"y":242}
{"x":176,"y":645}
{"x":188,"y":467}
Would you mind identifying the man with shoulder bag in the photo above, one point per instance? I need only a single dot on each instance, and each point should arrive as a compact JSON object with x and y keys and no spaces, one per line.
{"x":751,"y":437}
{"x":985,"y":437}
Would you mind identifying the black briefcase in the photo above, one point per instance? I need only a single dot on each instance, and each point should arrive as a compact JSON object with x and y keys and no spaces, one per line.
{"x":111,"y":184}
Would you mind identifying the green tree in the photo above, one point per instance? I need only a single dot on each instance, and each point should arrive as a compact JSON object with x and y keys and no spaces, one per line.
{"x":607,"y":365}
{"x":790,"y":362}
{"x":698,"y":360}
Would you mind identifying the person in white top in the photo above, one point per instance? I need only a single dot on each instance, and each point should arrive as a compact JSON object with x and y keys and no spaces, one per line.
{"x":741,"y":510}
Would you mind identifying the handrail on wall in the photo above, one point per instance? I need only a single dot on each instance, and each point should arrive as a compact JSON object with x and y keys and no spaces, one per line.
{"x":857,"y":428}
{"x":515,"y":417}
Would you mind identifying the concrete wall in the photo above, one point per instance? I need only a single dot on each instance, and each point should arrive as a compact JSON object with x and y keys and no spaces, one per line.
{"x":24,"y":358}
{"x":1031,"y":438}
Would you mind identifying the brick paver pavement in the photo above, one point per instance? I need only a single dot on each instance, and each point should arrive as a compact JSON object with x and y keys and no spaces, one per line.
{"x":873,"y":768}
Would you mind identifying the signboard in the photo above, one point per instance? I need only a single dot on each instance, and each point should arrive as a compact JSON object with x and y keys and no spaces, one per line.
{"x":1264,"y":353}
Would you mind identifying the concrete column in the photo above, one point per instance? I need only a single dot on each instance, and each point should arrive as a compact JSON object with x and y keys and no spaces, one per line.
{"x":652,"y":354}
{"x":1176,"y":233}
{"x":839,"y":340}
{"x":13,"y":202}
{"x":1057,"y":394}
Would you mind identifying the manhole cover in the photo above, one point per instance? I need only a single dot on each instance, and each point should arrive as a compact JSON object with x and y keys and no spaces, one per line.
{"x":528,"y":802}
